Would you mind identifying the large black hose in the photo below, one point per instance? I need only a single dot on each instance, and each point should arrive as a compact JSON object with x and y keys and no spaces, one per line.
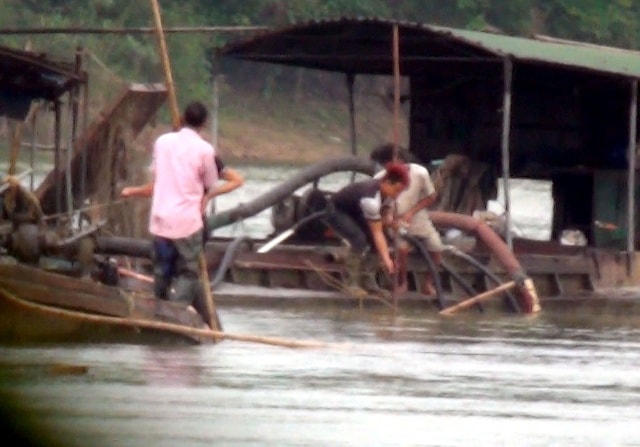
{"x":462,"y":283}
{"x":227,"y":259}
{"x":138,"y":247}
{"x":285,"y":189}
{"x":489,"y":274}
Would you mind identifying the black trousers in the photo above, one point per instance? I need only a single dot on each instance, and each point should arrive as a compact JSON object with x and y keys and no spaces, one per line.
{"x":353,"y":231}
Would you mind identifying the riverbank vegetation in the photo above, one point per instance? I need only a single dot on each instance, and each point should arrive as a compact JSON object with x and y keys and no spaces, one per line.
{"x":269,"y":112}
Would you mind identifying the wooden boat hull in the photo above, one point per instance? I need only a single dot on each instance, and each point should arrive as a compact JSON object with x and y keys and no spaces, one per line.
{"x":300,"y":274}
{"x":37,"y":306}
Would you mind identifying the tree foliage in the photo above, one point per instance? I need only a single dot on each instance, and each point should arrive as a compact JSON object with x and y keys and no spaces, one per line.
{"x":134,"y":57}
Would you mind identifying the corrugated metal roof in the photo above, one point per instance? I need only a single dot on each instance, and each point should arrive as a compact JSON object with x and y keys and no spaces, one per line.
{"x":571,"y":54}
{"x":363,"y":45}
{"x":34,"y":75}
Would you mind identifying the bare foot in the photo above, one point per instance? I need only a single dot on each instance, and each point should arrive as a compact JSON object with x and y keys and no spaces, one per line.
{"x":402,"y":287}
{"x":428,"y":289}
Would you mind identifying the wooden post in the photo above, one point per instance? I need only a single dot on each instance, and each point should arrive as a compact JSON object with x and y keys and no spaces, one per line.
{"x":214,"y":322}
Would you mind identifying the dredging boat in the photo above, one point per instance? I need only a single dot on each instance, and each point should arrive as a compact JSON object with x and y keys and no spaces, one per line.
{"x":484,"y":108}
{"x":47,"y":290}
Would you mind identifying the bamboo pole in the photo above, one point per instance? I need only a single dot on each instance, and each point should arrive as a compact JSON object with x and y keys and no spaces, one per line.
{"x":135,"y":275}
{"x":164,"y":56}
{"x":139,"y":323}
{"x":478,"y":298}
{"x":214,"y":322}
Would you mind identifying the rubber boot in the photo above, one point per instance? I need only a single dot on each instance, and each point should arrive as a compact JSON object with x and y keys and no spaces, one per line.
{"x":369,"y":282}
{"x":353,"y":266}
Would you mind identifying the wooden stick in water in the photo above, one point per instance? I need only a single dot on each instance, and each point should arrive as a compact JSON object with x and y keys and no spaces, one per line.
{"x":162,"y":326}
{"x":478,"y":298}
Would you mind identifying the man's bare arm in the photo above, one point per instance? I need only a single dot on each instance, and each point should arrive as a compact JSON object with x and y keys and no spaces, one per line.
{"x":145,"y":190}
{"x":380,"y":242}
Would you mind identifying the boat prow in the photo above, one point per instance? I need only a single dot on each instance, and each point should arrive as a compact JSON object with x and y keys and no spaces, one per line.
{"x":38,"y":306}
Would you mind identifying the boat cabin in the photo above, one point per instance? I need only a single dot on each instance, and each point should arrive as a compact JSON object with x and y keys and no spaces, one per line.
{"x":537,"y":108}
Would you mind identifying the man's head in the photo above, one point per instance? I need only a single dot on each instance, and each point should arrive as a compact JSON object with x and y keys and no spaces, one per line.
{"x":395,"y":180}
{"x":195,"y":114}
{"x":384,"y":154}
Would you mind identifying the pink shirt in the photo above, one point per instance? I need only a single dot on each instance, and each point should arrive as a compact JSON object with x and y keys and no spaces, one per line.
{"x":182,"y":168}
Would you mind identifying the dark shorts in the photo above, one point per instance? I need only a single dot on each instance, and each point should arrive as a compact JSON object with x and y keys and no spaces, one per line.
{"x":176,"y":268}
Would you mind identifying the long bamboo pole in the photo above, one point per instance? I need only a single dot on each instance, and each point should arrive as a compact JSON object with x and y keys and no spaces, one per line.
{"x":164,"y":56}
{"x":159,"y":325}
{"x":214,"y":322}
{"x":478,"y":298}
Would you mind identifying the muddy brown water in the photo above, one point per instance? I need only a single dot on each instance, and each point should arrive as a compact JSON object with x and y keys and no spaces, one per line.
{"x":409,"y":378}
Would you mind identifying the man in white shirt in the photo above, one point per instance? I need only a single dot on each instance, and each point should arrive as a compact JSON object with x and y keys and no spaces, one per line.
{"x":412,"y":204}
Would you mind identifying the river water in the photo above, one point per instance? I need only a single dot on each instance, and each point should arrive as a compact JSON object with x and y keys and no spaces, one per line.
{"x":405,"y":379}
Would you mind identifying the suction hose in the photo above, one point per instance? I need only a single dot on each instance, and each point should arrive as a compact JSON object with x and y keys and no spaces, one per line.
{"x":488,"y":273}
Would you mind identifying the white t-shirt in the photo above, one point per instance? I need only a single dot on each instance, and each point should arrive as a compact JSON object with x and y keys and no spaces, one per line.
{"x":420,"y":186}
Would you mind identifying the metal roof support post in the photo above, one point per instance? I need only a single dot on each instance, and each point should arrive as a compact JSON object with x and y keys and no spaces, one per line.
{"x":74,"y":94}
{"x":57,"y":132}
{"x":69,"y":157}
{"x":32,"y":149}
{"x":631,"y":183}
{"x":396,"y":92}
{"x":85,"y":124}
{"x":506,"y":126}
{"x":352,"y":118}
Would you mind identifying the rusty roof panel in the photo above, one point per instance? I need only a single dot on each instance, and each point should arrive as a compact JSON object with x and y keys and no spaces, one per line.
{"x":364,"y":46}
{"x":34,"y":75}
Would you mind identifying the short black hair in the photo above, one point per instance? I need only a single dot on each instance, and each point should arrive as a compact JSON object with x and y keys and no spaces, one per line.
{"x":383,"y":154}
{"x":195,"y":114}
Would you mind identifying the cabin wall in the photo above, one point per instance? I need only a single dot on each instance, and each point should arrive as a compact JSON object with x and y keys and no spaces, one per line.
{"x":567,"y":127}
{"x":558,"y":121}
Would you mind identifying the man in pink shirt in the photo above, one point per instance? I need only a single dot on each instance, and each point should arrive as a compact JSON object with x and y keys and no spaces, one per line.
{"x":183,"y":170}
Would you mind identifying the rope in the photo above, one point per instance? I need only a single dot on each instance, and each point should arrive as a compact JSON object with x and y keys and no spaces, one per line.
{"x":102,"y":65}
{"x":339,"y":286}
